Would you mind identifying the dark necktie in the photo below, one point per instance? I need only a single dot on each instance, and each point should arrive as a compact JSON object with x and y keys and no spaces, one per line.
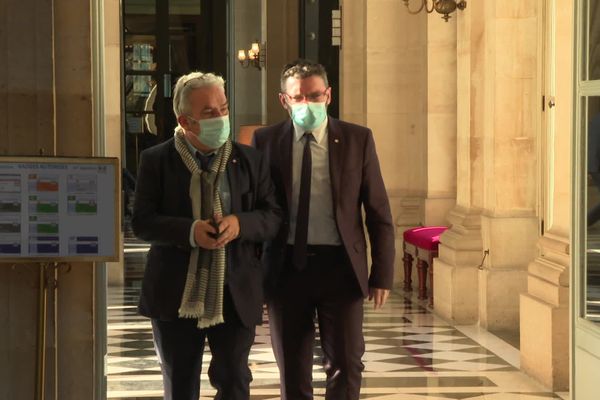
{"x":301,"y":237}
{"x":205,"y":160}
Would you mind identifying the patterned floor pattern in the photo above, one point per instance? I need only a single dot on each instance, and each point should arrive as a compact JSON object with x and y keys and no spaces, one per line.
{"x":410,"y":355}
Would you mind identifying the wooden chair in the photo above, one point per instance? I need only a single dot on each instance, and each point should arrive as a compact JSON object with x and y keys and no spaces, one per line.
{"x":421,"y":243}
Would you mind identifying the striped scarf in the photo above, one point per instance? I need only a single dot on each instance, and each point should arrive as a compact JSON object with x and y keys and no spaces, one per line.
{"x":203,"y":292}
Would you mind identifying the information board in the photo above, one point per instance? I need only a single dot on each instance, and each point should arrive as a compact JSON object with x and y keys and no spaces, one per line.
{"x":59,"y":209}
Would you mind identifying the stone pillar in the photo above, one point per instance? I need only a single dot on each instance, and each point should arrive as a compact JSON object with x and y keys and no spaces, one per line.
{"x":46,"y":103}
{"x":455,"y":270}
{"x":74,"y":136}
{"x":510,"y":227}
{"x":353,"y":62}
{"x":396,"y":107}
{"x":26,"y":126}
{"x":112,"y":106}
{"x":282,"y":41}
{"x":441,"y":120}
{"x":545,"y":305}
{"x":497,"y":54}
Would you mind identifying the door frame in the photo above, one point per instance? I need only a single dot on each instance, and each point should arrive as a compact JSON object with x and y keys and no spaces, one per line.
{"x":585,"y":335}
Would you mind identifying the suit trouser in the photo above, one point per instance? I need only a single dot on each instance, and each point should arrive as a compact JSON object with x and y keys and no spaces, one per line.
{"x":180,"y":347}
{"x":328,"y":288}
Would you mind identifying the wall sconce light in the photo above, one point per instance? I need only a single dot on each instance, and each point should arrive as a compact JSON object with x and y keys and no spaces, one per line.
{"x":445,"y":7}
{"x":255,"y":56}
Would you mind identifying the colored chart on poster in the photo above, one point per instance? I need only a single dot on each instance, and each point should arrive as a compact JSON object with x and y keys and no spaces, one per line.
{"x":58,"y":208}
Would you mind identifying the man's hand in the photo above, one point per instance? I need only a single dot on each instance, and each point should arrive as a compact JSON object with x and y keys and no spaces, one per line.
{"x":379,"y":296}
{"x":202,"y":235}
{"x":229,"y":229}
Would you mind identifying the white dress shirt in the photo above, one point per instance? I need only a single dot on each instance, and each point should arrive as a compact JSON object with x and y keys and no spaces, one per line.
{"x":322,"y":228}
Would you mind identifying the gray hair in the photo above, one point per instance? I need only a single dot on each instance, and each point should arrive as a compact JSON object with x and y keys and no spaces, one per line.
{"x":301,"y":69}
{"x":189,"y":82}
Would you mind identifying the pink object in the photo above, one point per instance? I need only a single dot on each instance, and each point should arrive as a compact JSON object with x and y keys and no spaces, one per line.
{"x":427,"y":237}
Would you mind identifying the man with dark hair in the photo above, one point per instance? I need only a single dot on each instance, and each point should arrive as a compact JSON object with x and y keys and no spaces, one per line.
{"x":325,"y":171}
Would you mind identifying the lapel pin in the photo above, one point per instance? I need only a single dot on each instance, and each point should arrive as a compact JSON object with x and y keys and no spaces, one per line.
{"x":336,"y":140}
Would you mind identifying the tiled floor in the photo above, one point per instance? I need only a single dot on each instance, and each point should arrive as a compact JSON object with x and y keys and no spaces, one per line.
{"x":411,"y":355}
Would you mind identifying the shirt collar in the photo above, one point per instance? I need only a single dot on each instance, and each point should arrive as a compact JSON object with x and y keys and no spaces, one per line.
{"x":318,"y":132}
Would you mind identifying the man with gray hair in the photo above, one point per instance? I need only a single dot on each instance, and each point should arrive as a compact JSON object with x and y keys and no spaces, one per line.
{"x":206,"y":205}
{"x":325,"y":171}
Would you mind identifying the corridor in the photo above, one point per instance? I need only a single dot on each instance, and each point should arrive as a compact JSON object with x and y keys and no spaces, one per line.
{"x":410,"y":355}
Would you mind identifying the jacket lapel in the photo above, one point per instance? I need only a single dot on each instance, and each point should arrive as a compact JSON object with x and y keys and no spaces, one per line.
{"x":336,"y":157}
{"x":285,"y":159}
{"x":233,"y":175}
{"x":180,"y":173}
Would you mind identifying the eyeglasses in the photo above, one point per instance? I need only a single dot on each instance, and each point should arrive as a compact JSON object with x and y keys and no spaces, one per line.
{"x":312,"y":97}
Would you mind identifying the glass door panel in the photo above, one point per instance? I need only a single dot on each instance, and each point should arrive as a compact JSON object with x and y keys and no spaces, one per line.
{"x":163,"y":40}
{"x":591,"y":125}
{"x":586,"y":205}
{"x":593,"y":56}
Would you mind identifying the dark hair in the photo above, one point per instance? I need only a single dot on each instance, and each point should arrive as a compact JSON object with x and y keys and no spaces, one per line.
{"x":301,"y":69}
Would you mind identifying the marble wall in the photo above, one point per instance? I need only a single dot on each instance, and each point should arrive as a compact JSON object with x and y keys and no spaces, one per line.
{"x":46,"y":105}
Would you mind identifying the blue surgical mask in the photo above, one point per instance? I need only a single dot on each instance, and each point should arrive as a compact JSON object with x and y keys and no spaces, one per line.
{"x":309,"y":116}
{"x":214,"y":132}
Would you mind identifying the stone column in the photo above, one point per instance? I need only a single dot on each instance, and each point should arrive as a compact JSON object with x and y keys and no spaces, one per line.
{"x":441,"y":120}
{"x":282,"y":41}
{"x":545,"y":305}
{"x":26,"y":126}
{"x":46,"y":103}
{"x":353,"y":62}
{"x":510,"y":226}
{"x":455,"y":271}
{"x":74,"y":136}
{"x":396,"y":108}
{"x":112,"y":106}
{"x":497,"y":174}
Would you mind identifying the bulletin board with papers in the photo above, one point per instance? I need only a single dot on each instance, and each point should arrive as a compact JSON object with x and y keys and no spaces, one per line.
{"x":59,"y":209}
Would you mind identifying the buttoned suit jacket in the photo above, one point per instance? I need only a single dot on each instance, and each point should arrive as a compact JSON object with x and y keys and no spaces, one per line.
{"x":356,"y":184}
{"x":162,"y":216}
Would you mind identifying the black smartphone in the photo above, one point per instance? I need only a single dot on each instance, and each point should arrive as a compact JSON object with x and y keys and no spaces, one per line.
{"x":214,"y":224}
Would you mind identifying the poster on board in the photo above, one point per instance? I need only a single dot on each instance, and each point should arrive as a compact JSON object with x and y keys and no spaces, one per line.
{"x":59,"y":209}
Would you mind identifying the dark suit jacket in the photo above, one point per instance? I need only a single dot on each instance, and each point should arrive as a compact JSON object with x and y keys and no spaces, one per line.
{"x":356,"y":181}
{"x":162,"y":215}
